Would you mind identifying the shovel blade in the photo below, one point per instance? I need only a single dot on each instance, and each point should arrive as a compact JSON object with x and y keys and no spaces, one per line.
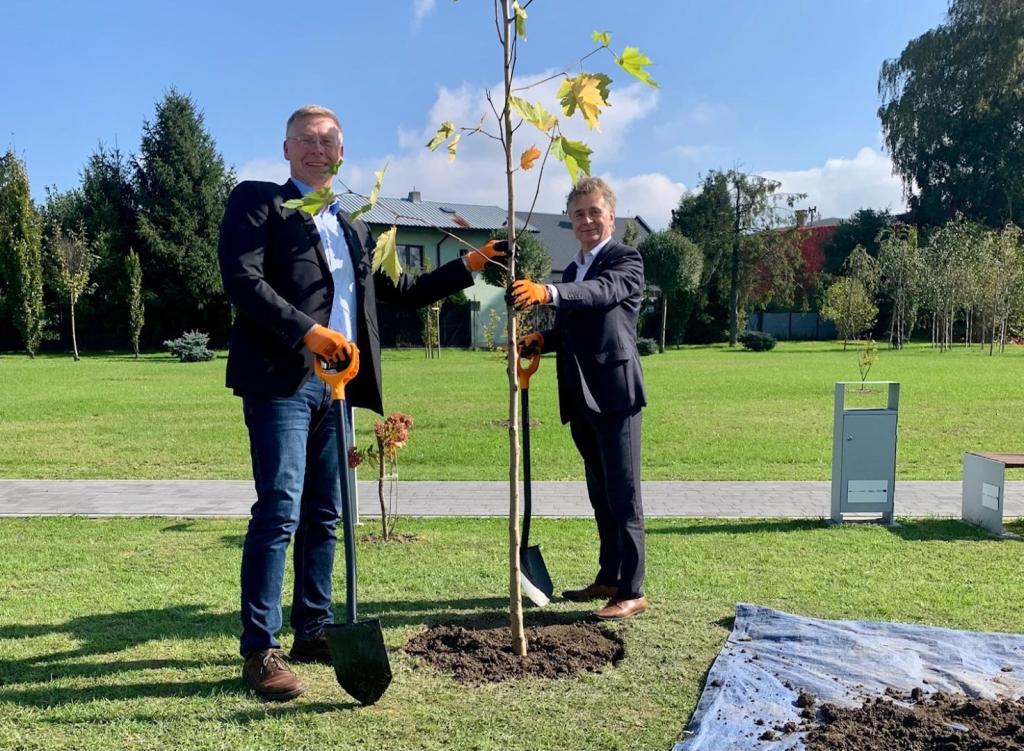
{"x":360,"y":659}
{"x":534,"y":576}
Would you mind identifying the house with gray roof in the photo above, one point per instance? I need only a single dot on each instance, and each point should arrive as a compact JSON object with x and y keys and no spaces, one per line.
{"x":425,"y":240}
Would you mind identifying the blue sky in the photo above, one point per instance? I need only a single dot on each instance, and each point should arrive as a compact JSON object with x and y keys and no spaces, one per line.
{"x":785,"y":88}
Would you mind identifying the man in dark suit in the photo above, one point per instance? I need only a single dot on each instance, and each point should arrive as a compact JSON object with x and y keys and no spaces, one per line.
{"x":302,"y":287}
{"x":600,"y":387}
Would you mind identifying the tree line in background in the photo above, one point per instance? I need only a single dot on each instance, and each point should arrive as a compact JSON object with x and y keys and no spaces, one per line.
{"x":952,"y":116}
{"x":129,"y":255}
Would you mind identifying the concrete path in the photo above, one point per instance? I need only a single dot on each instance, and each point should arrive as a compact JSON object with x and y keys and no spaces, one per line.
{"x":552,"y":499}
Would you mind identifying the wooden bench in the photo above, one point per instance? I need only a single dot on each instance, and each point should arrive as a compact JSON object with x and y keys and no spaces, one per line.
{"x":984,"y":474}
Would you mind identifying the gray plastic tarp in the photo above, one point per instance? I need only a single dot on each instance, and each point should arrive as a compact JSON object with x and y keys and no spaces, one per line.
{"x":771,"y":656}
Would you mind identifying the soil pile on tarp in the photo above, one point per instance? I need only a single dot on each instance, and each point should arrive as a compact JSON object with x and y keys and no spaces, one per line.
{"x":485,"y":655}
{"x":918,"y":722}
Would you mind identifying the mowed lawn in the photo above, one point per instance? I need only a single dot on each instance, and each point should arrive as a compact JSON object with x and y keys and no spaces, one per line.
{"x":122,"y":633}
{"x":714,"y":414}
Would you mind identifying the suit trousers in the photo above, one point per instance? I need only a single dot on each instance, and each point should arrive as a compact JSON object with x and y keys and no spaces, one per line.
{"x":610,"y":447}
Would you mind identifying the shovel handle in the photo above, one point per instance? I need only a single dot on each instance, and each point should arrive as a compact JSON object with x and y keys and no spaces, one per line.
{"x":524,"y":373}
{"x":342,"y":370}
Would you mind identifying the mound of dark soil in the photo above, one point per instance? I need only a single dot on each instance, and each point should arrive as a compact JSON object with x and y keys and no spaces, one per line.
{"x":485,"y":655}
{"x":919,"y":722}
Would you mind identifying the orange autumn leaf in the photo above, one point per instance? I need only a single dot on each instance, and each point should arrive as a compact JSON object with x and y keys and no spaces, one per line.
{"x":529,"y":156}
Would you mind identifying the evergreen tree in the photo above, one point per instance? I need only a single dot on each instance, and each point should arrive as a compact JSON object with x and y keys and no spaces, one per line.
{"x":21,"y":259}
{"x":109,"y":213}
{"x":673,"y":263}
{"x":136,"y":311}
{"x":182,"y":186}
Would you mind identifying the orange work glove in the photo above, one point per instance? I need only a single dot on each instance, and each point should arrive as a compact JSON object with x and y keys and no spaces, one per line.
{"x":526,"y":293}
{"x":478,"y":258}
{"x":325,"y":342}
{"x":531,"y":344}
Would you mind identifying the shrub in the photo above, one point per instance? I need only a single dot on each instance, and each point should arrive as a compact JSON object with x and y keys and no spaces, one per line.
{"x":646,"y":346}
{"x":756,"y":341}
{"x":191,"y":347}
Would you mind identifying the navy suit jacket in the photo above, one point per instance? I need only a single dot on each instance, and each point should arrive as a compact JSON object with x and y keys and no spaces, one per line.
{"x":594,"y":334}
{"x":276,"y":276}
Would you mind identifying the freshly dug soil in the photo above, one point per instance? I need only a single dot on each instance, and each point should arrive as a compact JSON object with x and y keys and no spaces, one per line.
{"x":484,"y":655}
{"x":917,"y":722}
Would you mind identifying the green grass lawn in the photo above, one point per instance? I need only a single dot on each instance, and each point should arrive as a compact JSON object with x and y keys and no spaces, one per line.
{"x":122,"y":633}
{"x":714,"y":414}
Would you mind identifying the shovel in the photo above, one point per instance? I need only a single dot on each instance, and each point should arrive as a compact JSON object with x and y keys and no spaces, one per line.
{"x":357,"y":647}
{"x":533,"y":574}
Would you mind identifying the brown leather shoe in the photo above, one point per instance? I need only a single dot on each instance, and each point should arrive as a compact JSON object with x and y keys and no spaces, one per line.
{"x":311,"y":650}
{"x":619,"y":610}
{"x":591,"y":592}
{"x":267,"y":675}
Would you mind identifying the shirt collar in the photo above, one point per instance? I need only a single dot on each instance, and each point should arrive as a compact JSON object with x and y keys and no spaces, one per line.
{"x":585,"y":259}
{"x":335,"y":206}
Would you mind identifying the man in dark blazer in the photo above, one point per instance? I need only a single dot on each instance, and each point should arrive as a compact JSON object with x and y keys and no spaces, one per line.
{"x":301,"y":287}
{"x":600,"y":387}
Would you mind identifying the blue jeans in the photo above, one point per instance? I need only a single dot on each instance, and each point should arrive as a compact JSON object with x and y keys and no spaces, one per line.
{"x":294,"y":446}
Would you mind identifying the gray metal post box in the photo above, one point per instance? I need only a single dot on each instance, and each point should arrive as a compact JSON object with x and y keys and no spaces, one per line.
{"x":864,"y":454}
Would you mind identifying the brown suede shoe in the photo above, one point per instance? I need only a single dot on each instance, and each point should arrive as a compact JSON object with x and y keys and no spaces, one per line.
{"x":619,"y":610}
{"x":311,"y":650}
{"x":267,"y":675}
{"x":590,"y":592}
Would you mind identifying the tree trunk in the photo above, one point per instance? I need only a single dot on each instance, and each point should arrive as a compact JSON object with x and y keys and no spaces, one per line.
{"x":514,"y":586}
{"x":74,"y":337}
{"x":734,"y":280}
{"x":664,"y":320}
{"x":381,"y":469}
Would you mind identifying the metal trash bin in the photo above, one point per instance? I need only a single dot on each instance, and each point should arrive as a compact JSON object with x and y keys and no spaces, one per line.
{"x":864,"y":453}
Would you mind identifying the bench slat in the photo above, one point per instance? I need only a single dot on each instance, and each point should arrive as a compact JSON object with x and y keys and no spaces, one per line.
{"x":1012,"y":461}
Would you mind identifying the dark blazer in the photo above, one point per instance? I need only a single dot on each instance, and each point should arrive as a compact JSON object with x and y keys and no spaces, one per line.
{"x":276,"y":277}
{"x":594,"y":334}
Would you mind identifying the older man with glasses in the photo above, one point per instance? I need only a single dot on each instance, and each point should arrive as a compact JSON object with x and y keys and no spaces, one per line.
{"x":301,"y":287}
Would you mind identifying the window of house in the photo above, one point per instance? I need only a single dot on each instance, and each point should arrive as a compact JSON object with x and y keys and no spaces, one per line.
{"x":411,"y":257}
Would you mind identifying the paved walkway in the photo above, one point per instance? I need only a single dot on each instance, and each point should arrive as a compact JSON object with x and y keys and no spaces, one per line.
{"x":553,"y":499}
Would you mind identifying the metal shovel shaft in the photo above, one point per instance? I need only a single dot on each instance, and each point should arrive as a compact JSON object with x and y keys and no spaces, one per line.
{"x":348,"y":523}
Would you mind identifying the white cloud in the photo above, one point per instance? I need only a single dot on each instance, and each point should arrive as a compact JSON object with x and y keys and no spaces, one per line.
{"x":691,"y":152}
{"x":422,"y":8}
{"x":477,"y":174}
{"x":842,"y":185}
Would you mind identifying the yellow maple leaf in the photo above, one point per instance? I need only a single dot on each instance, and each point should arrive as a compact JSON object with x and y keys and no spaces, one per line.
{"x":529,"y":156}
{"x":583,"y":92}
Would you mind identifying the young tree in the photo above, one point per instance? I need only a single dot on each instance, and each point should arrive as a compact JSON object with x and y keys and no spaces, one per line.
{"x":21,"y":258}
{"x":182,"y":186}
{"x":674,"y":264}
{"x":74,"y":261}
{"x":849,"y":306}
{"x":902,"y":269}
{"x":136,"y":310}
{"x":950,"y":113}
{"x":630,"y":234}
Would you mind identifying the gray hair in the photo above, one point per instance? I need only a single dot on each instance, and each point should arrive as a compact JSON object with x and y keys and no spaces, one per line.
{"x":588,"y":185}
{"x":311,"y":110}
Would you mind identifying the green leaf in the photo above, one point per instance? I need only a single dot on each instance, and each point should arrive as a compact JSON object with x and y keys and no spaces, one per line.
{"x":583,"y":92}
{"x":385,"y":255}
{"x":446,"y":129}
{"x":520,"y":20}
{"x":633,"y":62}
{"x":602,"y":37}
{"x":313,"y":202}
{"x":335,"y":168}
{"x":535,"y":114}
{"x":374,"y":195}
{"x":575,"y":154}
{"x":603,"y":85}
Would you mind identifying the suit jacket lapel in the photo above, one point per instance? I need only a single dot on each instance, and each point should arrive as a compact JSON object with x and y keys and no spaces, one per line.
{"x":291,"y":191}
{"x":569,"y":275}
{"x":599,"y":261}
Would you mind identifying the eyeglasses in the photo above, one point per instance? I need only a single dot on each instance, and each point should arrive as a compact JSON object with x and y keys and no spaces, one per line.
{"x":308,"y":142}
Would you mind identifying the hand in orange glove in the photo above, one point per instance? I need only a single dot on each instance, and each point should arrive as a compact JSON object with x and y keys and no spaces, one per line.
{"x":526,"y":293}
{"x":531,"y":344}
{"x":478,"y":258}
{"x":324,"y":342}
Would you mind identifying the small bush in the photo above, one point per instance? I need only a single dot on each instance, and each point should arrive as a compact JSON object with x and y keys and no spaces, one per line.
{"x":756,"y":341}
{"x":646,"y":346}
{"x":191,"y":347}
